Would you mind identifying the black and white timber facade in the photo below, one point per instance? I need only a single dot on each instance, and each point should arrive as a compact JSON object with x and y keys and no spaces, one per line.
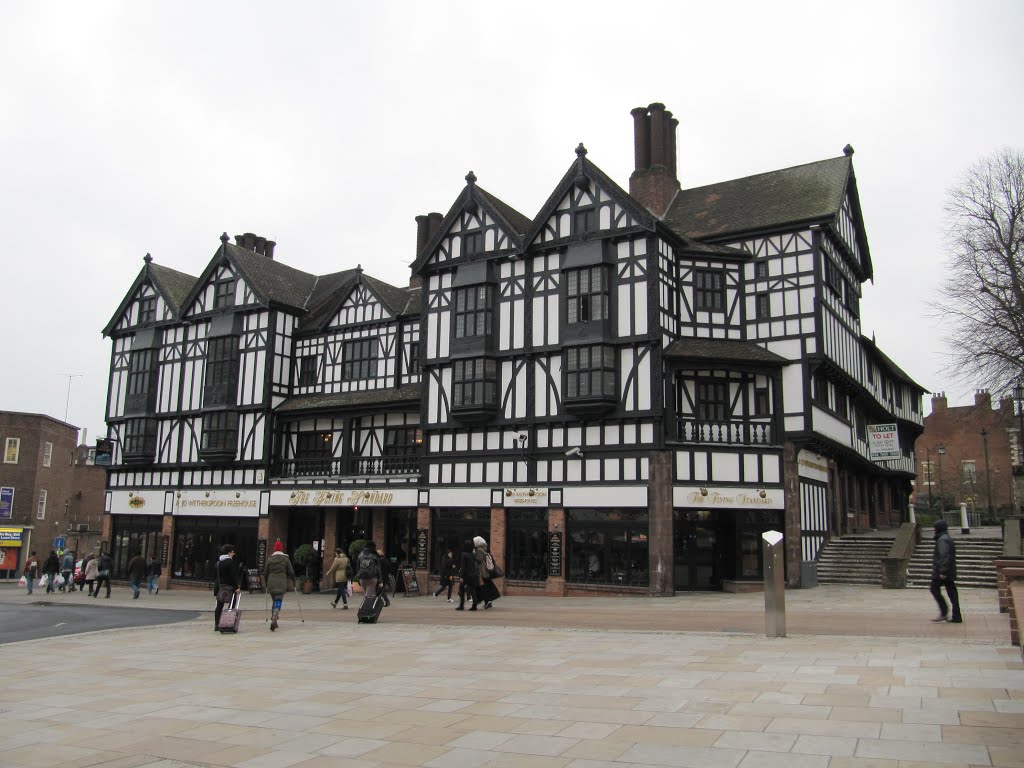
{"x":621,"y":393}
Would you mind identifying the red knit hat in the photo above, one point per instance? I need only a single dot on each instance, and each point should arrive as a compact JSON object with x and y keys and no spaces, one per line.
{"x":278,"y":546}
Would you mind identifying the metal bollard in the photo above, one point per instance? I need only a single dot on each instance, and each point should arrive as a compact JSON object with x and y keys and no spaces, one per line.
{"x":913,"y":517}
{"x":965,"y":527}
{"x":774,"y":585}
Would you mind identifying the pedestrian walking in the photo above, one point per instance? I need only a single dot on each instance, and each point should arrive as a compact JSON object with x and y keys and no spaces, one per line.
{"x":136,"y":573}
{"x":90,"y":557}
{"x":153,"y":572}
{"x":944,"y":574}
{"x":368,"y":569}
{"x":51,"y":568}
{"x":469,"y":577}
{"x":449,"y":571}
{"x":489,"y":571}
{"x":227,"y":583}
{"x":278,"y":578}
{"x":385,"y":572}
{"x":341,"y":569}
{"x":91,"y":569}
{"x":31,"y":571}
{"x":104,"y":567}
{"x":67,"y":570}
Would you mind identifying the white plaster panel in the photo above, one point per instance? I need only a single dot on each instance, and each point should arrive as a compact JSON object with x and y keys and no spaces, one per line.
{"x":596,"y":495}
{"x":725,"y":467}
{"x":830,"y":426}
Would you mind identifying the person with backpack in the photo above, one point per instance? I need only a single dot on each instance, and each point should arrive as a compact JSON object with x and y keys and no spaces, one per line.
{"x":103,"y":569}
{"x":341,"y":569}
{"x":368,"y":569}
{"x":31,"y":571}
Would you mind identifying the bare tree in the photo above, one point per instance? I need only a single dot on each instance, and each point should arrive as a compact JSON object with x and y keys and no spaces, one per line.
{"x":982,"y":298}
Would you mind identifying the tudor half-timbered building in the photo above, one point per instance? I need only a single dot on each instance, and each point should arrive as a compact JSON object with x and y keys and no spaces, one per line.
{"x":621,"y":393}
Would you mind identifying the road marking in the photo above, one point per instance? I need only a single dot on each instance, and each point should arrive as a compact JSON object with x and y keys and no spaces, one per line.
{"x":61,"y":624}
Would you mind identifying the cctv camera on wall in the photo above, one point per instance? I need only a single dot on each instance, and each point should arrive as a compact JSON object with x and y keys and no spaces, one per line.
{"x":574,"y":451}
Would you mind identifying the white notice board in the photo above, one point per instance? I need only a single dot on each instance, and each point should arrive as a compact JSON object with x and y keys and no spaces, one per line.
{"x":883,"y":442}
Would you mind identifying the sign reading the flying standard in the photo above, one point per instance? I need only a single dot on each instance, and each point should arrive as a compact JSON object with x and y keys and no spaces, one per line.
{"x":883,"y":442}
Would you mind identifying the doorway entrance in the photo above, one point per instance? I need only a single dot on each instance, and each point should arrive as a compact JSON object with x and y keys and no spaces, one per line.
{"x":697,"y":551}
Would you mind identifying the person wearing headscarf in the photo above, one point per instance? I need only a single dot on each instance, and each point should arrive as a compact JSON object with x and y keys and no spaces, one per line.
{"x":278,"y":574}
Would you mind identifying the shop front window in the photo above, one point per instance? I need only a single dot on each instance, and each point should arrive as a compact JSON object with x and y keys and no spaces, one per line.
{"x":450,"y":527}
{"x":400,"y":544}
{"x":197,"y":543}
{"x":607,"y":546}
{"x":526,"y":537}
{"x":133,"y":535}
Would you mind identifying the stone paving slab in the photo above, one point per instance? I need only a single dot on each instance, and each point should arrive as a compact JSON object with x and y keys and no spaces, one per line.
{"x":485,"y":691}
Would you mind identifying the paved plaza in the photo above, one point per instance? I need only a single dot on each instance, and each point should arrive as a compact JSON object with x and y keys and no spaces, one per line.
{"x":864,"y":680}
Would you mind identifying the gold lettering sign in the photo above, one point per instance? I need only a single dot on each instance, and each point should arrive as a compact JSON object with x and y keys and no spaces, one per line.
{"x":339,"y":498}
{"x":520,"y":497}
{"x":251,"y":503}
{"x":739,"y":499}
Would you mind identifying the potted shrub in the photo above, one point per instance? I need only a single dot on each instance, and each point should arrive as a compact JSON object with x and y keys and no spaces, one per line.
{"x":304,"y":559}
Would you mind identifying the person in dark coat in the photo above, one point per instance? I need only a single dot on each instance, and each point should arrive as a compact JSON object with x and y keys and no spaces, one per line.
{"x":944,"y":574}
{"x":278,"y":577}
{"x":385,"y":571}
{"x":486,"y":566}
{"x":228,"y":582}
{"x":51,"y":568}
{"x":136,"y":573}
{"x":469,"y":577}
{"x":153,"y":572}
{"x":368,"y":569}
{"x":448,"y":572}
{"x":67,"y":570}
{"x":103,"y":569}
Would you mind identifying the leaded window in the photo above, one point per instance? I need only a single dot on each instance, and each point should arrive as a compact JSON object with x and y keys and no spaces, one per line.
{"x":709,"y":290}
{"x":472,"y":243}
{"x":141,"y":372}
{"x":360,"y":359}
{"x":475,"y":383}
{"x":712,"y":401}
{"x":585,"y":220}
{"x":220,"y":432}
{"x":139,"y":440}
{"x":586,"y":295}
{"x":590,"y":372}
{"x":761,"y":269}
{"x":308,"y":370}
{"x":221,"y":371}
{"x":147,"y":310}
{"x":473,"y":311}
{"x":833,"y":276}
{"x":763,"y":307}
{"x":224,"y":293}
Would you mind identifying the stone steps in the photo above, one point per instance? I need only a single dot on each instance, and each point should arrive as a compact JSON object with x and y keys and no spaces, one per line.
{"x":973,"y":563}
{"x":853,"y":560}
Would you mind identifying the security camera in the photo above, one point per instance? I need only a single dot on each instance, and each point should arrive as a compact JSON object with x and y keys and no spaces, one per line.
{"x":574,"y":451}
{"x":519,"y":436}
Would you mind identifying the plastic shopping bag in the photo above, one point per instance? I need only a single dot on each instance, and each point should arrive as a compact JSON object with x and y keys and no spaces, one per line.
{"x":23,"y":582}
{"x":42,"y":580}
{"x":348,"y":588}
{"x":58,"y":581}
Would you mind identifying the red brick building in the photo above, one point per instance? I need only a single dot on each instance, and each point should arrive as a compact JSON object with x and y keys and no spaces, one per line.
{"x":966,"y":455}
{"x":49,"y":489}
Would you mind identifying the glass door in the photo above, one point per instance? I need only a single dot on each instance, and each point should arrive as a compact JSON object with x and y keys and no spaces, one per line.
{"x":696,"y":550}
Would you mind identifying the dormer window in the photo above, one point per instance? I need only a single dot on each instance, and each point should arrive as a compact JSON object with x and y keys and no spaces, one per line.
{"x":360,"y":359}
{"x":147,"y":310}
{"x":224,"y":293}
{"x":586,"y":295}
{"x":709,"y":290}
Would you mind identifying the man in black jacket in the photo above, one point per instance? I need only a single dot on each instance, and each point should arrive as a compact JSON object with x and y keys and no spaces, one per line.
{"x":944,"y":573}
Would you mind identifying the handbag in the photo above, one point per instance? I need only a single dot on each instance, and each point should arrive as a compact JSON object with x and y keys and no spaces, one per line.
{"x":496,"y":572}
{"x":103,"y":574}
{"x":225,"y":593}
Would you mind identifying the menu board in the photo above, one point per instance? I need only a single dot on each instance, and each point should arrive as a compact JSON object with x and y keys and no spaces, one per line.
{"x":555,"y":553}
{"x":412,"y":587}
{"x":421,"y":547}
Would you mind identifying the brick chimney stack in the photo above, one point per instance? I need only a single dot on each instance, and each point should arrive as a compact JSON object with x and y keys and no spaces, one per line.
{"x":939,"y":402}
{"x":426,"y":227}
{"x":982,"y":397}
{"x":256,"y":244}
{"x":654,"y":182}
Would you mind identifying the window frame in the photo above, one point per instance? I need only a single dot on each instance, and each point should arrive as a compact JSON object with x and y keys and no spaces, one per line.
{"x":592,"y":364}
{"x":139,"y":441}
{"x":583,"y":302}
{"x":709,"y":290}
{"x":224,"y":293}
{"x":712,"y":401}
{"x":8,"y":443}
{"x":41,"y":505}
{"x":763,"y":306}
{"x":147,"y":310}
{"x":360,"y":356}
{"x":309,"y":378}
{"x":480,"y":381}
{"x":47,"y":453}
{"x":586,"y":220}
{"x":761,"y":270}
{"x":479,"y":315}
{"x":220,"y":375}
{"x":225,"y":425}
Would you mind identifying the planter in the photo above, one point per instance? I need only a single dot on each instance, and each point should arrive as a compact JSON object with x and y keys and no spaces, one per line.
{"x":307,"y":586}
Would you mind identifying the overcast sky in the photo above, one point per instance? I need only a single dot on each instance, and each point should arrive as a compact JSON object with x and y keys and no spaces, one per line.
{"x":132,"y":127}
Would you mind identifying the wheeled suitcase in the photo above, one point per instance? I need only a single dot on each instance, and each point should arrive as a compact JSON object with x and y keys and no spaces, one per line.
{"x":231,"y":616}
{"x":369,"y":611}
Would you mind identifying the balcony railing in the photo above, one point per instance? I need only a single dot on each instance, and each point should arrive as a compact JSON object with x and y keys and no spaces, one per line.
{"x":357,"y":465}
{"x":725,"y":432}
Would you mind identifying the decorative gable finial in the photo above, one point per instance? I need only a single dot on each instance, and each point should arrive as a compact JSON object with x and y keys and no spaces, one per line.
{"x":848,"y":150}
{"x":581,"y":181}
{"x":147,"y":258}
{"x":224,"y":238}
{"x":471,"y":178}
{"x":470,"y":205}
{"x":359,"y":268}
{"x":581,"y":151}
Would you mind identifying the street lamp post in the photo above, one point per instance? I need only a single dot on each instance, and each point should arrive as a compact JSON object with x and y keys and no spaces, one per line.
{"x":1018,"y":395}
{"x":928,"y":476}
{"x":988,"y":474}
{"x":941,"y":449}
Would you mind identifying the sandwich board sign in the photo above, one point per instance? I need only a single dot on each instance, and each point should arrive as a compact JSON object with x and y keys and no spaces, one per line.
{"x":883,"y":442}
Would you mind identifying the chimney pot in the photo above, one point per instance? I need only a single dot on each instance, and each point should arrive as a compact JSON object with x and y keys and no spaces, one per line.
{"x":433,"y":224}
{"x":269,"y":253}
{"x":260,"y":245}
{"x":654,"y":183}
{"x":641,"y":139}
{"x":422,"y":228}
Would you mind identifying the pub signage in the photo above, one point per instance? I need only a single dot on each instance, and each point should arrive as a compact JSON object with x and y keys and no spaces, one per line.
{"x":555,"y":554}
{"x":421,"y":547}
{"x":339,"y":498}
{"x":261,"y":554}
{"x":526,"y":497}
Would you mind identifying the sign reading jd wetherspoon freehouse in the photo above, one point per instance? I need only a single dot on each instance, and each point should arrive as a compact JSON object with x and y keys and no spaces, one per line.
{"x":883,"y":442}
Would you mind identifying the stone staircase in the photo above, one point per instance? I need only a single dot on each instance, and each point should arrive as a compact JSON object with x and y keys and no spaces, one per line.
{"x":853,"y":559}
{"x":973,"y":563}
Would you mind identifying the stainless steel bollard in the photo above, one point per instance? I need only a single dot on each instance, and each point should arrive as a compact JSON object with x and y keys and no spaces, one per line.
{"x":774,"y":585}
{"x":965,"y":526}
{"x":913,"y":516}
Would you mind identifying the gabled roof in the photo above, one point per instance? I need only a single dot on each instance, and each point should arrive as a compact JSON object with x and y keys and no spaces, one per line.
{"x":271,"y":280}
{"x":802,"y":194}
{"x":714,"y":351}
{"x":398,"y":301}
{"x":888,"y":364}
{"x":584,"y":169}
{"x":324,"y":301}
{"x":172,"y":285}
{"x":511,"y":221}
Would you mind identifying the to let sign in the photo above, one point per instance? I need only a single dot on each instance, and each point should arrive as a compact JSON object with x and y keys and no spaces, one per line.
{"x":883,"y":442}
